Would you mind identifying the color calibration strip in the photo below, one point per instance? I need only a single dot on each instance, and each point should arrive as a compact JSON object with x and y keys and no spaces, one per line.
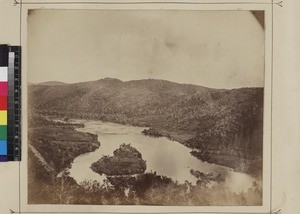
{"x":10,"y":103}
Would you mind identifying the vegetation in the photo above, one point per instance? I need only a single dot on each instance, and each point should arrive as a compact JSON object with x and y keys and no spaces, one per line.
{"x":59,"y":143}
{"x":152,"y":132}
{"x":221,"y":126}
{"x":126,"y":161}
{"x":143,"y":189}
{"x":204,"y":179}
{"x":46,"y":187}
{"x":218,"y":124}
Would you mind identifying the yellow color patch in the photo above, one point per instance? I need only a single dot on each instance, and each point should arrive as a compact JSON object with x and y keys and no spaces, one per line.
{"x":3,"y":117}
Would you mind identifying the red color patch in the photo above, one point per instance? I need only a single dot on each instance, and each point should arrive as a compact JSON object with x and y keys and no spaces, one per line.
{"x":3,"y":103}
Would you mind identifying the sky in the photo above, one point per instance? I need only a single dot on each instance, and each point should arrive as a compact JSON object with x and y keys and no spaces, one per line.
{"x":217,"y":49}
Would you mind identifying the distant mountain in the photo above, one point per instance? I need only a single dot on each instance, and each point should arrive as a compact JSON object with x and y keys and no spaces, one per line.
{"x":51,"y":83}
{"x":222,"y":126}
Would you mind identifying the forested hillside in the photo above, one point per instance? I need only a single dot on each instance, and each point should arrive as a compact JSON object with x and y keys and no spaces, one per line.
{"x":222,"y":126}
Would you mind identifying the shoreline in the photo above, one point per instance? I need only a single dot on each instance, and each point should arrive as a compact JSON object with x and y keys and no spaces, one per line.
{"x":237,"y":165}
{"x":224,"y":160}
{"x":62,"y":143}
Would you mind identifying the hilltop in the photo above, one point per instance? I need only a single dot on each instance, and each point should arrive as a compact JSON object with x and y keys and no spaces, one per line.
{"x":50,"y":83}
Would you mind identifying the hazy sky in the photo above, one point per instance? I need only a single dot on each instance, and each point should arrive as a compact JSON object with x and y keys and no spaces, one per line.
{"x":219,"y":49}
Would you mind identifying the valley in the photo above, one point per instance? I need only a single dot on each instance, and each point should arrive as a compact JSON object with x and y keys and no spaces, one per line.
{"x":221,"y":126}
{"x":217,"y":126}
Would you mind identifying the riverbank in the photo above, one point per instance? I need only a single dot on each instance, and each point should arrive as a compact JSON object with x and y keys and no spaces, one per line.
{"x":58,"y":142}
{"x":163,"y":156}
{"x":201,"y":118}
{"x":229,"y":158}
{"x":143,"y":189}
{"x":252,"y":167}
{"x":224,"y":157}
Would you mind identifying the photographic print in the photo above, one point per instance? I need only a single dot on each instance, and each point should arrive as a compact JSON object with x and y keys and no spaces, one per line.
{"x":145,"y":107}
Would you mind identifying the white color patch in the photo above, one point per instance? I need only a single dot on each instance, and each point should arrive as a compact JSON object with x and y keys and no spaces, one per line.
{"x":3,"y":74}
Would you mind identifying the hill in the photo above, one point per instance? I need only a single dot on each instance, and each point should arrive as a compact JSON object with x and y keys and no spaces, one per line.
{"x":222,"y":126}
{"x":51,"y":83}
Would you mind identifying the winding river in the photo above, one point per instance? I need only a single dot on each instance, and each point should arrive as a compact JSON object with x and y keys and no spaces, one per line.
{"x":162,"y":155}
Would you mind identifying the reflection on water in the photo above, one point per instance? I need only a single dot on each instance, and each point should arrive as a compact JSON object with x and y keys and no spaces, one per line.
{"x":163,"y":156}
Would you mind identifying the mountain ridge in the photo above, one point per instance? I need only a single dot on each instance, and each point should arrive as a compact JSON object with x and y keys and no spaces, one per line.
{"x":110,"y":79}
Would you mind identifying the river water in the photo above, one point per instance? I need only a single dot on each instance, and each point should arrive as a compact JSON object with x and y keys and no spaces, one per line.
{"x":162,"y":155}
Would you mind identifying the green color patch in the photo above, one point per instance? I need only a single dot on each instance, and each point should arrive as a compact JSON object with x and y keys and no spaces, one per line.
{"x":3,"y":132}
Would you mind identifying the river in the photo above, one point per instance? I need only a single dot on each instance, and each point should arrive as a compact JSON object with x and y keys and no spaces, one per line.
{"x":163,"y":156}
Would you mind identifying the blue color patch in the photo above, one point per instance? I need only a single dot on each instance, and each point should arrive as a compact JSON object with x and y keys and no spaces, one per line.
{"x":3,"y":158}
{"x":3,"y":147}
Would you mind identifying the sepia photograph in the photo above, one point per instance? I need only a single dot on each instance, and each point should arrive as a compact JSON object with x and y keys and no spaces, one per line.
{"x":145,"y":107}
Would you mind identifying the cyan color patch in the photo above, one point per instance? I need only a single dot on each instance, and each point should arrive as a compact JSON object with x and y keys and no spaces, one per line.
{"x":3,"y":147}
